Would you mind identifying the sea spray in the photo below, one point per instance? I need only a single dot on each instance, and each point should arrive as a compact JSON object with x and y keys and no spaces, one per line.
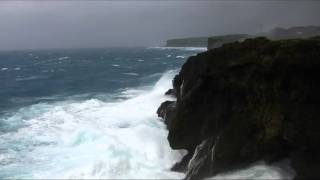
{"x":91,"y":139}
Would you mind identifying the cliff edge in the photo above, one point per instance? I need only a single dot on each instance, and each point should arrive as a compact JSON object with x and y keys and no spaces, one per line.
{"x":244,"y":102}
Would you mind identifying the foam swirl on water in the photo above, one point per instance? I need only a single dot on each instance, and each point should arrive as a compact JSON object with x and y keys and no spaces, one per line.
{"x":90,"y":139}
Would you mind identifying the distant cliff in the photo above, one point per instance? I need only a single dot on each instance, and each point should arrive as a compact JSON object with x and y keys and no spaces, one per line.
{"x":244,"y":102}
{"x":297,"y":32}
{"x":274,"y":34}
{"x":209,"y":42}
{"x":292,"y":32}
{"x":188,"y":42}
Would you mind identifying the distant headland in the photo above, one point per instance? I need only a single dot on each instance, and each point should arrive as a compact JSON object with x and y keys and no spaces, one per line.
{"x":277,"y":33}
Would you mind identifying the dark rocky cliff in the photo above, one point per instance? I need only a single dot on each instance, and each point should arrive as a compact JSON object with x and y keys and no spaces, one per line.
{"x":244,"y":102}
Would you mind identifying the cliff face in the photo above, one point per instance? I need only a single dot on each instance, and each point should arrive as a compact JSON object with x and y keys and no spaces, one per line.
{"x":244,"y":102}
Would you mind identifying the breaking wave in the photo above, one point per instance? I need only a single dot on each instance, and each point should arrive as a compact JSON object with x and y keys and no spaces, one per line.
{"x":90,"y":138}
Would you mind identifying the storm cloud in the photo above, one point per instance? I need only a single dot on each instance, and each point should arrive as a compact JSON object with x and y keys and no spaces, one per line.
{"x":81,"y":24}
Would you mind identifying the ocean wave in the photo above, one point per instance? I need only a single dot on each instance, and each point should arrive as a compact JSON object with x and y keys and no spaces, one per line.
{"x":259,"y":170}
{"x":131,"y":74}
{"x":63,"y":58}
{"x":180,"y":57}
{"x":29,"y":78}
{"x":91,"y":139}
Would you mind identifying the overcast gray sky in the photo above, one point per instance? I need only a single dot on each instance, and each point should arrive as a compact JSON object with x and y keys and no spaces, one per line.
{"x":76,"y":24}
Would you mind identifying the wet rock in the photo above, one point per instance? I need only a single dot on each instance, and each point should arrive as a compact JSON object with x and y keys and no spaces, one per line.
{"x":170,"y":92}
{"x":260,"y":97}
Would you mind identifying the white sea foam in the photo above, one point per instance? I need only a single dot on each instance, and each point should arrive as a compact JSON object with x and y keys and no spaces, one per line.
{"x":131,"y":74}
{"x":63,"y":58}
{"x":260,"y":170}
{"x":17,"y":69}
{"x":29,"y":78}
{"x":115,"y":65}
{"x":140,"y":60}
{"x":90,"y":139}
{"x":4,"y":69}
{"x":182,"y":48}
{"x":182,"y":57}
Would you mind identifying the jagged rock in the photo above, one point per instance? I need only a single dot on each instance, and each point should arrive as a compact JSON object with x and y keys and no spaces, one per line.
{"x":183,"y":164}
{"x":200,"y":164}
{"x":260,"y":97}
{"x":170,"y":92}
{"x":167,"y":111}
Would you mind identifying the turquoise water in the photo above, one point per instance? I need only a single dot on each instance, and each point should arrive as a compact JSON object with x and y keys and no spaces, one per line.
{"x":91,"y":113}
{"x":87,"y":113}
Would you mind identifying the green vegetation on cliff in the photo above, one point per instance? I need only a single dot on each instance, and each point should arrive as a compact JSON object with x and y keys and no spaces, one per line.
{"x":248,"y":101}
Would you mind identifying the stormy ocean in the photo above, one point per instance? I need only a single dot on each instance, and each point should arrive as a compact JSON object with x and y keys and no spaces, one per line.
{"x":91,"y":113}
{"x":87,"y":113}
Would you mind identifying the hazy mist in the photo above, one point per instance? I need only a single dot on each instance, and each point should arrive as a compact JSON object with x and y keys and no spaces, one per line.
{"x":77,"y":24}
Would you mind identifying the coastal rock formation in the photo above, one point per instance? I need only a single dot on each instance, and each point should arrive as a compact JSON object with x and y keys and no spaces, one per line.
{"x":278,"y":33}
{"x":245,"y":102}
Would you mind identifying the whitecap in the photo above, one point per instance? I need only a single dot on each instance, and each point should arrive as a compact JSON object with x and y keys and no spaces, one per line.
{"x":4,"y":69}
{"x":115,"y":65}
{"x":92,"y":139}
{"x":63,"y":58}
{"x":28,"y":78}
{"x":131,"y":74}
{"x":140,"y":60}
{"x":259,"y":170}
{"x":181,"y":48}
{"x":181,"y":57}
{"x":17,"y":69}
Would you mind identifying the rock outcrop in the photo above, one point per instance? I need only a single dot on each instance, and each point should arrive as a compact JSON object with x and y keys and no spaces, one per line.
{"x":245,"y":102}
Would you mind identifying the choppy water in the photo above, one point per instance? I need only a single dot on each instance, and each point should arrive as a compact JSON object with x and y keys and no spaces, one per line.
{"x":89,"y":113}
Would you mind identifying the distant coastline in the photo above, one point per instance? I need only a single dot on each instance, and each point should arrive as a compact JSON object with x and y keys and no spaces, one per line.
{"x":277,"y":33}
